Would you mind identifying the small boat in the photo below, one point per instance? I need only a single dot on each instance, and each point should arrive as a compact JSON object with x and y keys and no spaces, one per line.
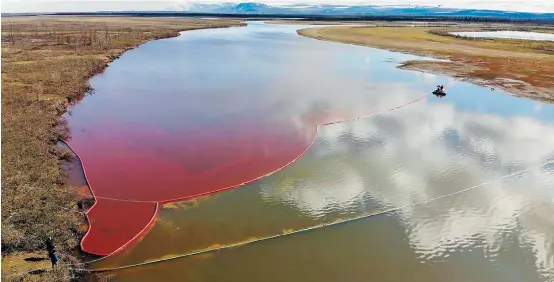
{"x":439,"y":91}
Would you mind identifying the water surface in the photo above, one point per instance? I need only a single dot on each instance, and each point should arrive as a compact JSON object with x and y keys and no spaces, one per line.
{"x":526,"y":35}
{"x":266,"y":80}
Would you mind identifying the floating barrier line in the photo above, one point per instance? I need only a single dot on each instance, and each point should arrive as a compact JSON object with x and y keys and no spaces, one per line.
{"x":377,"y":113}
{"x":251,"y":180}
{"x":83,"y":195}
{"x":98,"y":259}
{"x":92,"y":195}
{"x":202,"y":194}
{"x":209,"y":250}
{"x":231,"y":186}
{"x":150,"y":222}
{"x":263,"y":238}
{"x":165,"y":201}
{"x":88,"y":183}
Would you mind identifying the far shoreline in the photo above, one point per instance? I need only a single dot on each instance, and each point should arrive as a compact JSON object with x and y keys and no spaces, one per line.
{"x":504,"y":64}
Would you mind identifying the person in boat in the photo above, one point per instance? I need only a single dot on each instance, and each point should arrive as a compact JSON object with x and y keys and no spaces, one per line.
{"x":439,"y":90}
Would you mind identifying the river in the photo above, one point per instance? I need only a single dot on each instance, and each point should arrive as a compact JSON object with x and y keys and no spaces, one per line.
{"x":214,"y":108}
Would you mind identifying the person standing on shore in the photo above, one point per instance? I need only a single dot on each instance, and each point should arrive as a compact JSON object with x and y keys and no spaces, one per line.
{"x":49,"y":244}
{"x":51,"y":251}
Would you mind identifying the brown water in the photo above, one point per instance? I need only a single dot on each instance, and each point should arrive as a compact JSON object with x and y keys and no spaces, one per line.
{"x":503,"y":231}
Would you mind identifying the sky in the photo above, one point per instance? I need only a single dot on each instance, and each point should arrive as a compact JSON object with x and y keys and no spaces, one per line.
{"x":19,"y":6}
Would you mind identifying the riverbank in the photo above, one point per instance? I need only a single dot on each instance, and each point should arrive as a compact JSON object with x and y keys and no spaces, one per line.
{"x":46,"y":65}
{"x":520,"y":67}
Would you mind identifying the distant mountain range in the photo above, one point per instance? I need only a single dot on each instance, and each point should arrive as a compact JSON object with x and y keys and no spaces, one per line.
{"x":320,"y":10}
{"x":358,"y":10}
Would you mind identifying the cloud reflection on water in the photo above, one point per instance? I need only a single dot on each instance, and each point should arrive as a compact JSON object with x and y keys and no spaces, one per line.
{"x":431,"y":149}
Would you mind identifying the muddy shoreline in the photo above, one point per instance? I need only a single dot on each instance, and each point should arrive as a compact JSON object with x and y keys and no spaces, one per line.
{"x":473,"y":65}
{"x":459,"y":70}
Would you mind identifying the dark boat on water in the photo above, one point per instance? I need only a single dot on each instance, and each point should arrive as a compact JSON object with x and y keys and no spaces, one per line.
{"x":439,"y":91}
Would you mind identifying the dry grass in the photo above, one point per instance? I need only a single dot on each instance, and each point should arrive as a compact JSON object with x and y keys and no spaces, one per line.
{"x":46,"y":64}
{"x":519,"y":66}
{"x":33,"y":266}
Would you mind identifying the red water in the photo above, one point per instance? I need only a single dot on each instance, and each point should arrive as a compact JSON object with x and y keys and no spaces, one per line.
{"x":130,"y":168}
{"x":177,"y":119}
{"x":159,"y":166}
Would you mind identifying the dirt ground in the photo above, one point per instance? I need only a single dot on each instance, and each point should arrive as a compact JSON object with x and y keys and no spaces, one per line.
{"x":46,"y":65}
{"x":521,"y":67}
{"x":18,"y":262}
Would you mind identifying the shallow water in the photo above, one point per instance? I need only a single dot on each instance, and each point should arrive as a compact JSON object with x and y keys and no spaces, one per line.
{"x":508,"y":34}
{"x":266,"y":74}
